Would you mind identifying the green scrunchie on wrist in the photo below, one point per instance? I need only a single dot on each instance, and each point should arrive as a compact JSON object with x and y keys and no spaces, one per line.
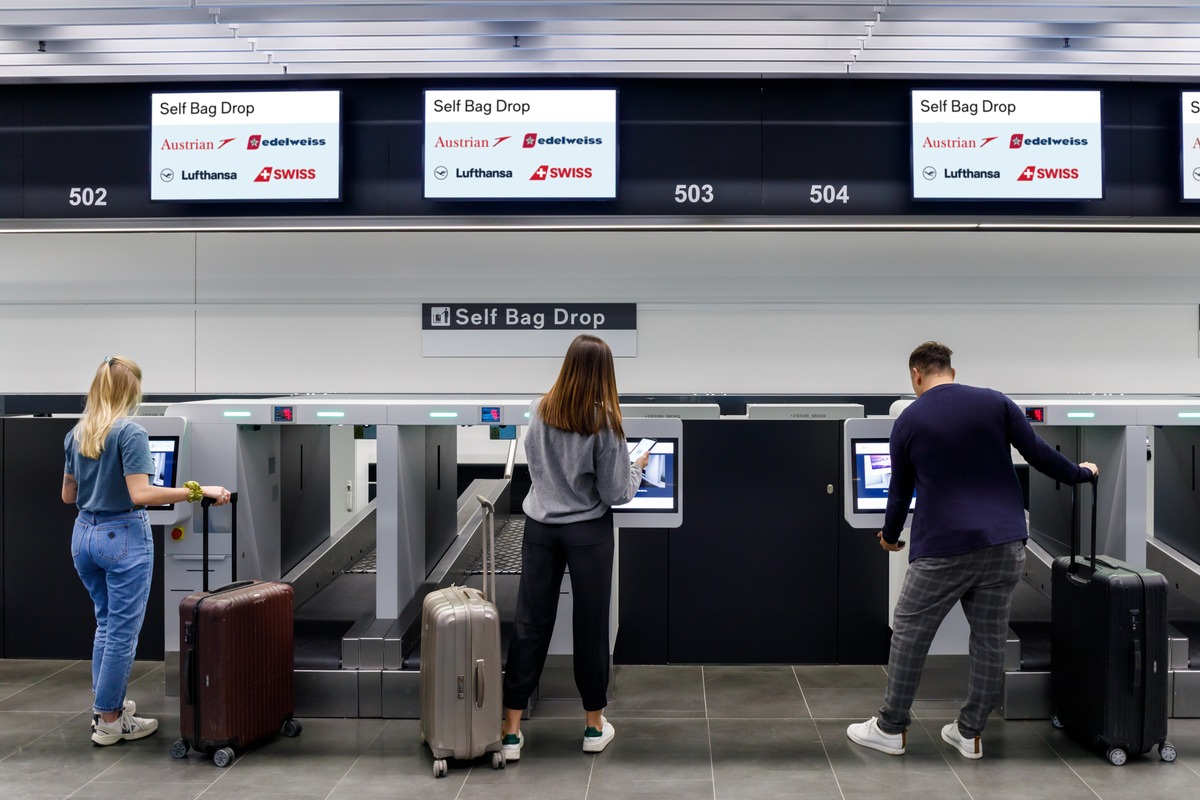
{"x":195,"y":493}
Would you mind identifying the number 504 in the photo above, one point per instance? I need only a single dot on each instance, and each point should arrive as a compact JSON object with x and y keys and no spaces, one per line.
{"x":828,"y":194}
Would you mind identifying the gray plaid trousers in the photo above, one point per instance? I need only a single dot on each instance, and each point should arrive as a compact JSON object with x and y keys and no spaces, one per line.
{"x":983,"y":581}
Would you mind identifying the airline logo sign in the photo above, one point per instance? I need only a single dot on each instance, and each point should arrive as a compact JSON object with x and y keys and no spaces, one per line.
{"x":1053,"y":147}
{"x":283,"y":145}
{"x":524,"y":329}
{"x":1190,"y":159}
{"x":521,"y":144}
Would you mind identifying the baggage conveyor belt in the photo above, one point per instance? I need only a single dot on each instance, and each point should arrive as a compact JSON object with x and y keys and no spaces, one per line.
{"x":322,"y":621}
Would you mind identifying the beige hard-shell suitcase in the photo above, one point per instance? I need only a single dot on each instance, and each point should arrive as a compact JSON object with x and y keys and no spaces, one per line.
{"x":460,"y":666}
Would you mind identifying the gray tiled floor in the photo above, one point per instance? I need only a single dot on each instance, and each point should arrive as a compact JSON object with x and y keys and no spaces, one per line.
{"x":683,"y":732}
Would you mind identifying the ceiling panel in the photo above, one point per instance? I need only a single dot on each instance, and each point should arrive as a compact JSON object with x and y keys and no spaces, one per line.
{"x":73,"y":40}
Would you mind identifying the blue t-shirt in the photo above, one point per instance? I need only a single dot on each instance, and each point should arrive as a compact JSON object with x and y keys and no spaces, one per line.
{"x":102,"y":488}
{"x":953,"y":446}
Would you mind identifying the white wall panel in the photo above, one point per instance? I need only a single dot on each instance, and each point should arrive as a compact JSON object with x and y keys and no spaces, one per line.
{"x":719,"y":311}
{"x":116,"y":267}
{"x":58,"y":348}
{"x":725,"y":348}
{"x":698,"y":265}
{"x":865,"y":348}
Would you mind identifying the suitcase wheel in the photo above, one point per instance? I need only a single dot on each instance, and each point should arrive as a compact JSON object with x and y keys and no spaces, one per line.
{"x":440,"y":768}
{"x":1166,"y":751}
{"x":1116,"y":756}
{"x":1056,"y":722}
{"x":498,"y":760}
{"x":179,"y":749}
{"x":223,"y":757}
{"x":292,"y":728}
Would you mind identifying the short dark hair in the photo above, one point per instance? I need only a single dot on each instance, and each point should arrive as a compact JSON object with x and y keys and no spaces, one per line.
{"x":931,"y":358}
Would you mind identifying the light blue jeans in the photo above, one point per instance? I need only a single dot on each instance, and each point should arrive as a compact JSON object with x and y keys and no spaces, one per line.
{"x":114,"y":556}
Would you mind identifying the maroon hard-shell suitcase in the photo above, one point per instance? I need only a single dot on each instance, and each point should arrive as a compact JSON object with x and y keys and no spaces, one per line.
{"x":236,"y":673}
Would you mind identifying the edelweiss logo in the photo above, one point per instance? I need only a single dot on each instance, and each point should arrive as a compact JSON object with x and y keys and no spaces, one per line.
{"x":253,"y":142}
{"x":530,"y":140}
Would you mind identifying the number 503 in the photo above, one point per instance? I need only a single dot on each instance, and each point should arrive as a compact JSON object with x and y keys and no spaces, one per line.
{"x":693,"y":193}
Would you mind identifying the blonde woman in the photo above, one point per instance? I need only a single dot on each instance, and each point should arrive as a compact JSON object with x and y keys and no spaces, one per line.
{"x":107,"y":475}
{"x":579,"y":465}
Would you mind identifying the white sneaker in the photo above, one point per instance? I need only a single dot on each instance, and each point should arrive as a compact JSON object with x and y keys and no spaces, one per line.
{"x":129,"y":708}
{"x":869,"y":735}
{"x":594,"y":741}
{"x":123,"y":727}
{"x":968,"y":748}
{"x":511,"y":748}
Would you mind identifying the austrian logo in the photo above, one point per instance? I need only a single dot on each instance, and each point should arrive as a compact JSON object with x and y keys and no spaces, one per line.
{"x":956,"y":143}
{"x":267,"y":174}
{"x":194,"y":144}
{"x":469,"y":142}
{"x":1031,"y":173}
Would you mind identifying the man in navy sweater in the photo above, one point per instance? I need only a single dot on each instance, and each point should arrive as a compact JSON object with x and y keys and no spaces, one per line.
{"x":968,"y":538}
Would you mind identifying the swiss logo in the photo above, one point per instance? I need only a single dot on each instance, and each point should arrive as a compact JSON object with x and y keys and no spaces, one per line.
{"x":1031,"y":173}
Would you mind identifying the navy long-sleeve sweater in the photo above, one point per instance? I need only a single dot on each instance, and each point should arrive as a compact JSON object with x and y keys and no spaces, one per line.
{"x":952,"y":446}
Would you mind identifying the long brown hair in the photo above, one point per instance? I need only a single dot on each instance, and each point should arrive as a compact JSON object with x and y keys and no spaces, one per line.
{"x":116,"y":391}
{"x":584,"y":399}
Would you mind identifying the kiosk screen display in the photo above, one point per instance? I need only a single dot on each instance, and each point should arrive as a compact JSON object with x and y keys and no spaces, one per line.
{"x":872,"y":465}
{"x":164,"y":450}
{"x":659,"y":490}
{"x":999,"y":144}
{"x":528,"y":144}
{"x":246,"y":145}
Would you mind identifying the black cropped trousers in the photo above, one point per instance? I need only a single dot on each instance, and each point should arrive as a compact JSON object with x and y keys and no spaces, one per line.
{"x":586,"y":548}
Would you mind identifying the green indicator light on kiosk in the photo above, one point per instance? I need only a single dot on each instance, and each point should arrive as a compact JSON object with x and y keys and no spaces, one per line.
{"x":1080,"y":414}
{"x":237,"y":413}
{"x":1189,"y":414}
{"x":526,"y":415}
{"x":334,"y":414}
{"x":443,"y":414}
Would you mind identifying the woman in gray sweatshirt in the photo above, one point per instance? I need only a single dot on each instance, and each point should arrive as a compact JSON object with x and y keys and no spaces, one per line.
{"x":579,"y":465}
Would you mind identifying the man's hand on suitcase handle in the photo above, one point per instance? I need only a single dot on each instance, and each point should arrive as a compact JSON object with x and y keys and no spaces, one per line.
{"x":886,"y":545}
{"x":1090,"y":466}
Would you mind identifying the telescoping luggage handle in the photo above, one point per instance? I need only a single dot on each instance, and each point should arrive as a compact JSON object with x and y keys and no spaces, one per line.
{"x":1076,"y":534}
{"x":489,"y":547}
{"x":204,"y":504}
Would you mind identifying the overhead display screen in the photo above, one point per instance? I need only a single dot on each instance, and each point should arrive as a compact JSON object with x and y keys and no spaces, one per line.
{"x":1191,"y":146}
{"x":245,"y":146}
{"x":1006,"y":145}
{"x":520,"y":144}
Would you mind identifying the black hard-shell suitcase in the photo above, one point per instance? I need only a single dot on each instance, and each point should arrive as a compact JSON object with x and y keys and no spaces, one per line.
{"x":236,"y":676}
{"x":460,"y":666}
{"x":1108,"y":651}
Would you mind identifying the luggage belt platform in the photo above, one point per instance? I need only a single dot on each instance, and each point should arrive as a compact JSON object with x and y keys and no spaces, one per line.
{"x":1026,"y":692}
{"x":368,"y":670}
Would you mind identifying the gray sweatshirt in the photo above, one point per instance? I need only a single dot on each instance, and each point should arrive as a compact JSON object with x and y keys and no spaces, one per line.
{"x":575,"y":477}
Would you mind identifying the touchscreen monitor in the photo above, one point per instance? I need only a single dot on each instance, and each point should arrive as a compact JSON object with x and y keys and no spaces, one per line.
{"x":872,"y":464}
{"x":659,"y":489}
{"x":164,"y":451}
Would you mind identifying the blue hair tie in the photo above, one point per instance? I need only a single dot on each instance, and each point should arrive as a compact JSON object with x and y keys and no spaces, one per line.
{"x":108,"y":360}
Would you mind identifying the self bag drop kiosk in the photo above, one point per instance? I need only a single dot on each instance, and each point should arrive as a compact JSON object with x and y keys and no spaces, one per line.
{"x":1173,"y":547}
{"x":361,"y":573}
